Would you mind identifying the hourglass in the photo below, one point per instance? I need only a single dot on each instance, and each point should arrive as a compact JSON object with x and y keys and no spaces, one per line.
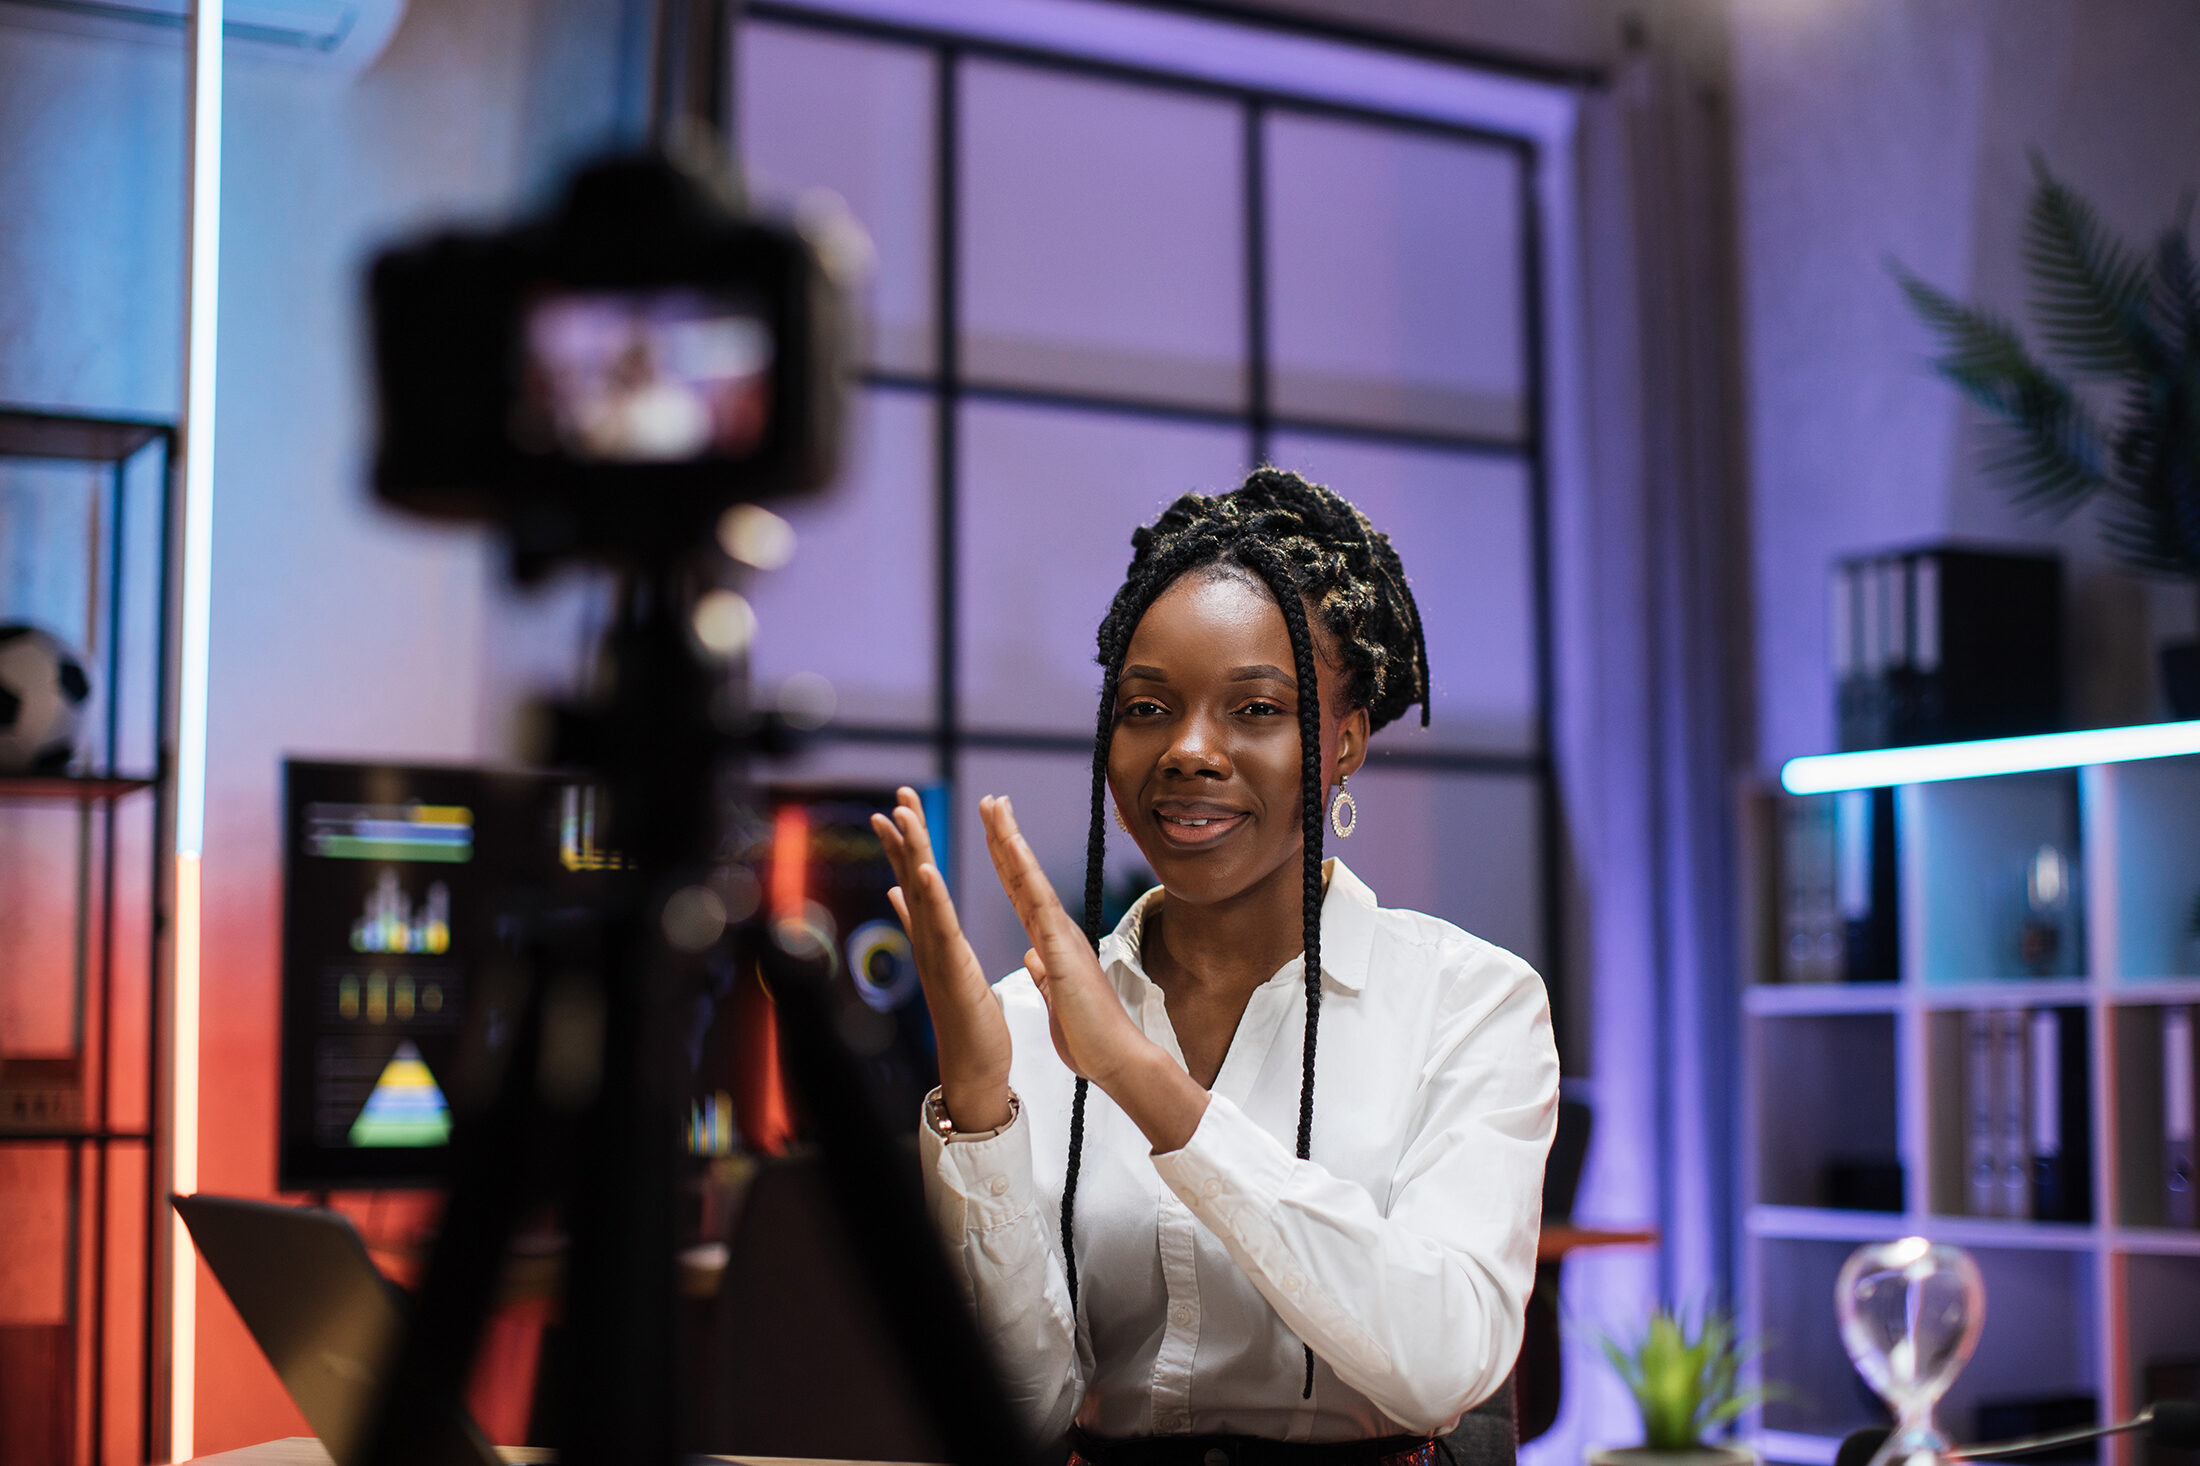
{"x":1910,"y":1314}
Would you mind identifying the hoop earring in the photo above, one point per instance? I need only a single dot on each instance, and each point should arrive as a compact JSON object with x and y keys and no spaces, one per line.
{"x":1344,"y":811}
{"x":1117,"y":810}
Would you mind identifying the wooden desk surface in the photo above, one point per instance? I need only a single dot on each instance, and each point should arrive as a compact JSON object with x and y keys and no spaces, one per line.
{"x":1560,"y":1238}
{"x":304,"y":1450}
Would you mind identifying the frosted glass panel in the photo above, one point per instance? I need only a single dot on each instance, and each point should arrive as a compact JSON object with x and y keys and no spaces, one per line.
{"x":857,"y":604}
{"x":1396,"y":276}
{"x":1461,"y":846}
{"x":1049,"y":500}
{"x":1052,"y":794}
{"x":854,"y":116}
{"x":884,"y":766}
{"x":1103,"y":236}
{"x":1462,"y":525}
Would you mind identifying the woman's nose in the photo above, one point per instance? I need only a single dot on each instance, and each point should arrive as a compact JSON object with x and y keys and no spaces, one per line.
{"x":1199,"y":747}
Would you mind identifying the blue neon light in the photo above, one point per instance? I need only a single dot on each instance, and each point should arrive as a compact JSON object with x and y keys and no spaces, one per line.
{"x":1879,"y":768}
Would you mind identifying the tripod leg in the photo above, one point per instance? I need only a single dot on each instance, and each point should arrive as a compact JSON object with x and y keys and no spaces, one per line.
{"x":423,"y":1396}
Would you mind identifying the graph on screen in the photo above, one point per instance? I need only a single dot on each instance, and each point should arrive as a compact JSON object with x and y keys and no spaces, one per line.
{"x":391,"y":923}
{"x":442,"y":833}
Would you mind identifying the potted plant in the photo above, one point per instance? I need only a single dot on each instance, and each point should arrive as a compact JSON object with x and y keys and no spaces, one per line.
{"x":1687,"y":1388}
{"x":2129,"y":325}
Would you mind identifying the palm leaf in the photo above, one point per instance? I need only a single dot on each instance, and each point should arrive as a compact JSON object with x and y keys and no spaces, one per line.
{"x":2175,"y":295}
{"x":2046,"y":442}
{"x":2089,"y":289}
{"x":2152,"y":516}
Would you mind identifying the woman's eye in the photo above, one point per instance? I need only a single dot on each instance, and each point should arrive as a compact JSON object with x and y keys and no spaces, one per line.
{"x":1262,"y":709}
{"x":1141,"y":708}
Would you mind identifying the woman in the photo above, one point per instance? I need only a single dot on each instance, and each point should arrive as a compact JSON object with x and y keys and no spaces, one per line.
{"x":1197,"y":1257}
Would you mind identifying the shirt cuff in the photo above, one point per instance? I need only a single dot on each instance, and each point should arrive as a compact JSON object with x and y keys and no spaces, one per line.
{"x":978,"y":1183}
{"x":1229,"y":1163}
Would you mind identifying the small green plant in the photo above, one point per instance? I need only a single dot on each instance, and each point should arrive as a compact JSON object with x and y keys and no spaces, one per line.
{"x":1687,"y":1387}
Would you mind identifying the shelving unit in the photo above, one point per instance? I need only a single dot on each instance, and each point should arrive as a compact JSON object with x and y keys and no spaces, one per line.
{"x":1873,"y":1072}
{"x":86,"y":1117}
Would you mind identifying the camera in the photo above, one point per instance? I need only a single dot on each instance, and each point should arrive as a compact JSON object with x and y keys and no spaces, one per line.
{"x":606,"y":381}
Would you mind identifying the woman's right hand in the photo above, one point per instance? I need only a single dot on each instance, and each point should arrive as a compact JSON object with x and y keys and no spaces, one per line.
{"x":966,"y":1018}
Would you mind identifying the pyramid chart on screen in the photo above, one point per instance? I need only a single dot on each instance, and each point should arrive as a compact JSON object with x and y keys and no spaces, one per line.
{"x":406,"y":1108}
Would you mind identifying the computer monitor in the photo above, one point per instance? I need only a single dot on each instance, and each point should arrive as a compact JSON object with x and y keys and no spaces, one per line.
{"x":400,"y":887}
{"x":395,"y":879}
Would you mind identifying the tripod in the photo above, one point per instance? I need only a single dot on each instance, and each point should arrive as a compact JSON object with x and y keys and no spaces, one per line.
{"x":586,"y":1105}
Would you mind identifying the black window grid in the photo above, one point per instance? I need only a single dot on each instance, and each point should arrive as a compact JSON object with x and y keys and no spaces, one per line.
{"x":947,"y":736}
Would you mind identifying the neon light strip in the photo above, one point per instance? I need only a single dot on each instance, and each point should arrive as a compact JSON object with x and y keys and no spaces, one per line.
{"x":201,"y":316}
{"x":1879,"y":768}
{"x":198,"y":422}
{"x":184,"y":1166}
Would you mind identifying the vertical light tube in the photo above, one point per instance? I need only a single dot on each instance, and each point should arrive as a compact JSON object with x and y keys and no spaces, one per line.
{"x":202,"y":265}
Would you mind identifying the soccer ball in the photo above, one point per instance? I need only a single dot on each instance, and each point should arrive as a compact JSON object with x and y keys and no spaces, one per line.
{"x":43,"y":689}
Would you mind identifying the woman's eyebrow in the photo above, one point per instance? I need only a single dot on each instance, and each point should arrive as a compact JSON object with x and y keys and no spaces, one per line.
{"x":1143,"y":673}
{"x":1263,"y":673}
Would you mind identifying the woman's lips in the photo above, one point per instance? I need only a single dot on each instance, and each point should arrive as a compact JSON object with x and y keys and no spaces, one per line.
{"x":1193,"y":827}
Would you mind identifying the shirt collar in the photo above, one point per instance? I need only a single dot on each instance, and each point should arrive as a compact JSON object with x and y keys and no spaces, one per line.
{"x":1348,"y":930}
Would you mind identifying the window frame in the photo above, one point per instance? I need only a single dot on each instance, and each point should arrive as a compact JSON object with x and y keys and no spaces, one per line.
{"x":1432,"y":93}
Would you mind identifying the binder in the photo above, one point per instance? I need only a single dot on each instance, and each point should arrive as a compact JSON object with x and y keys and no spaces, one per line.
{"x":1812,"y":939}
{"x":2177,"y":1116}
{"x":1943,"y":643}
{"x":1838,"y":889}
{"x":2012,"y":1149}
{"x":2061,"y":1139}
{"x":1982,"y":1180}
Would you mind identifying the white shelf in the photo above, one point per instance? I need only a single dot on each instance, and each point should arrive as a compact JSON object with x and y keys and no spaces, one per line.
{"x":1824,"y":999}
{"x":2009,"y":992}
{"x":2011,"y":1233}
{"x":1858,"y":1075}
{"x":1796,"y":1447}
{"x":2155,"y":1242}
{"x":1827,"y":1224}
{"x":2139,"y":990}
{"x":1809,"y":999}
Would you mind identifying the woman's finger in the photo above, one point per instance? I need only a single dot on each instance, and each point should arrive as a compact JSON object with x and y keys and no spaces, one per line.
{"x":1029,"y":891}
{"x":939,"y":906}
{"x":896,"y":848}
{"x":909,"y":819}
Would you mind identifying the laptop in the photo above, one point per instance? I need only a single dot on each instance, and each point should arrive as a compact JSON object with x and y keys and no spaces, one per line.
{"x":789,"y":1358}
{"x":322,"y":1313}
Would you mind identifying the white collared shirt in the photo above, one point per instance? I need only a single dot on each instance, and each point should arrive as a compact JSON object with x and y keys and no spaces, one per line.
{"x":1402,"y":1252}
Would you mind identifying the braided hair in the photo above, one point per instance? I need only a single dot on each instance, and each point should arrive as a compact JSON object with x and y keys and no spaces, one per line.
{"x":1313,"y":551}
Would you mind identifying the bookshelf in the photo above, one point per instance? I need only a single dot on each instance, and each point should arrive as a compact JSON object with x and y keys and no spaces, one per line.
{"x":80,"y":1081}
{"x":1844,"y":1078}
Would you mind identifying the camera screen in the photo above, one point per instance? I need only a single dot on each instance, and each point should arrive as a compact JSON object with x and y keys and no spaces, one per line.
{"x":644,"y":376}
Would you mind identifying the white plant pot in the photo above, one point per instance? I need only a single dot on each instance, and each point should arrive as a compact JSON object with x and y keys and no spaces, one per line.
{"x":1720,"y":1455}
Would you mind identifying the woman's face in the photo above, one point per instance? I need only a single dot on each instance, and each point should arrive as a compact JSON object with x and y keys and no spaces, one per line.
{"x":1205,"y":760}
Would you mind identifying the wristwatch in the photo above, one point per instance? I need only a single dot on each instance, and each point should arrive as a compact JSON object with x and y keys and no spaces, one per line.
{"x":935,"y":1115}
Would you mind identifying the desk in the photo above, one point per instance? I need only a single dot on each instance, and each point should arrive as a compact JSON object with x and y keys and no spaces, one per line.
{"x":1561,"y":1238}
{"x":305,"y":1450}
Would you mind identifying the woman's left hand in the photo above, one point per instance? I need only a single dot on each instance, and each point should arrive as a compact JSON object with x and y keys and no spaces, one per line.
{"x":1093,"y":1032}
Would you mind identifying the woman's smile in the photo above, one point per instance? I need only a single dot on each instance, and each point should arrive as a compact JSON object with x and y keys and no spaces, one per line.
{"x":1197,"y":824}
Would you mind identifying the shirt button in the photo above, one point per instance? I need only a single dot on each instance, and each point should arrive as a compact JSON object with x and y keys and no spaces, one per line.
{"x":1213,"y":1187}
{"x":1292,"y":1282}
{"x":1000,"y":1185}
{"x":1181,"y":1315}
{"x":1217,"y":1457}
